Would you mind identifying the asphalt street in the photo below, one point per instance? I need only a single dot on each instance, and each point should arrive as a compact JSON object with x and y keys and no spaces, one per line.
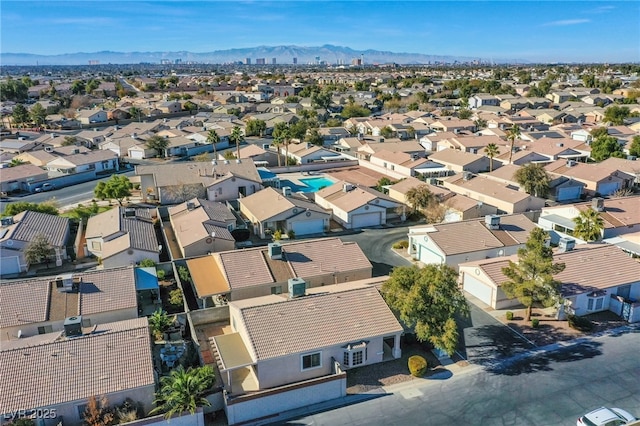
{"x":552,"y":389}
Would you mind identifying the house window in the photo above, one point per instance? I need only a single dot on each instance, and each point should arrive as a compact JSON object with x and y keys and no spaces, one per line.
{"x":595,"y":302}
{"x":276,"y":289}
{"x":81,"y":409}
{"x":95,"y":245}
{"x":310,"y":361}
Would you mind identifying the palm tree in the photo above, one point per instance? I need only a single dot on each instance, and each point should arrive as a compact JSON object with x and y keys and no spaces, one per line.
{"x":419,"y":197}
{"x":589,"y":225}
{"x":491,"y":150}
{"x":512,"y":135}
{"x":533,"y":178}
{"x":183,"y":390}
{"x":159,"y":321}
{"x":237,"y":137}
{"x":213,"y":139}
{"x":282,"y":136}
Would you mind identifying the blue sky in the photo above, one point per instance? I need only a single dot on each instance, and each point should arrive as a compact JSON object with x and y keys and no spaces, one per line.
{"x":541,"y":31}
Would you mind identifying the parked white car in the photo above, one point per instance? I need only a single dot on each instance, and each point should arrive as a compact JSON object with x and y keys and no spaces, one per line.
{"x":604,"y":416}
{"x":46,"y":187}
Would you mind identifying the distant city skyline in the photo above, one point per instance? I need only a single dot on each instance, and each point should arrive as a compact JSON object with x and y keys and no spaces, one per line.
{"x":541,"y":31}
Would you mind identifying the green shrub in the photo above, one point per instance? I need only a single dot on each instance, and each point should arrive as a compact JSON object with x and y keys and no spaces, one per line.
{"x":535,"y":322}
{"x":147,"y":263}
{"x":277,"y":235}
{"x":291,"y":234}
{"x":580,"y":323}
{"x":401,"y":244}
{"x":509,"y":315}
{"x":175,"y":297}
{"x":417,"y":366}
{"x":161,"y":274}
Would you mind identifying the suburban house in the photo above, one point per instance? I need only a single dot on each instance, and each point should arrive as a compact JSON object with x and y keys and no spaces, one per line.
{"x":503,"y":196}
{"x":216,"y":180}
{"x":122,"y":236}
{"x":260,"y":271}
{"x":99,"y":162}
{"x":41,"y":305}
{"x":398,"y":190}
{"x":453,"y":124}
{"x":18,"y":231}
{"x":201,"y":226}
{"x":458,"y":242}
{"x":625,"y":165}
{"x":93,"y":138}
{"x":257,"y":154}
{"x":357,"y":206}
{"x":399,"y":162}
{"x":57,"y":375}
{"x":462,"y":161}
{"x":92,"y":116}
{"x":620,"y":216}
{"x":583,"y":288}
{"x":474,"y":144}
{"x":482,"y":99}
{"x":305,"y":153}
{"x":599,"y":180}
{"x":170,"y":107}
{"x":276,"y":358}
{"x":272,"y":210}
{"x":21,"y":177}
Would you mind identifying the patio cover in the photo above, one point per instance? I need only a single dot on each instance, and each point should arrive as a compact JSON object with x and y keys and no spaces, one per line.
{"x":207,"y":277}
{"x":146,"y":279}
{"x":628,"y":246}
{"x":232,"y":351}
{"x":560,"y":220}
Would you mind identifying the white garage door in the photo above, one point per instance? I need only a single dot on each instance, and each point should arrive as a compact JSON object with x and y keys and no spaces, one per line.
{"x":477,"y":288}
{"x":306,"y":227}
{"x":136,"y":155}
{"x":365,"y":219}
{"x":9,"y":265}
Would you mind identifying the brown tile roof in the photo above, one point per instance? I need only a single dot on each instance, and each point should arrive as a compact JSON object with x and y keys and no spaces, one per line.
{"x":198,"y":172}
{"x":291,"y":326}
{"x":28,"y":224}
{"x":472,"y":235}
{"x":34,"y":300}
{"x":270,"y":202}
{"x":22,"y":171}
{"x":318,"y":257}
{"x":453,"y":156}
{"x":245,"y":268}
{"x":69,"y":370}
{"x":357,"y":175}
{"x":485,"y":186}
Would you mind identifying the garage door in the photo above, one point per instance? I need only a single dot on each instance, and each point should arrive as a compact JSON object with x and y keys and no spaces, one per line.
{"x":9,"y":265}
{"x":365,"y":219}
{"x":571,"y":193}
{"x":306,"y":227}
{"x":608,"y":188}
{"x":477,"y":288}
{"x":136,"y":155}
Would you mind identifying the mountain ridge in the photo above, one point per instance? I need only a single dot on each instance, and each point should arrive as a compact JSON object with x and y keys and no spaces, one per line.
{"x":283,"y":54}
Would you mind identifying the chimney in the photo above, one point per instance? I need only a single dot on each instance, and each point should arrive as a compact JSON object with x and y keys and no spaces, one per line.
{"x":597,"y":203}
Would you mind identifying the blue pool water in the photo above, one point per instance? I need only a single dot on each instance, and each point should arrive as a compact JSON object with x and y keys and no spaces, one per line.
{"x":310,"y":184}
{"x":317,"y":183}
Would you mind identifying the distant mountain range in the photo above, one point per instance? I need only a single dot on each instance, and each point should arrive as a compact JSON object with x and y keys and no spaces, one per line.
{"x":284,"y":55}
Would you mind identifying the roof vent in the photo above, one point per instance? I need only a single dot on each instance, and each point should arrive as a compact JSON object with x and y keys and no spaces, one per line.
{"x":492,"y":221}
{"x":275,"y":251}
{"x":597,"y":203}
{"x":566,"y":244}
{"x":73,"y":326}
{"x":297,"y":287}
{"x":191,"y":205}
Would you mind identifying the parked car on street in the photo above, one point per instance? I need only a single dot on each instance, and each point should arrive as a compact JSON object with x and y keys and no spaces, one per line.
{"x":46,"y":187}
{"x":604,"y":416}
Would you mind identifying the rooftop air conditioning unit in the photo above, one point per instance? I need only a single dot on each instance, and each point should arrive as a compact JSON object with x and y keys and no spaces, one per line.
{"x":566,"y":244}
{"x":492,"y":221}
{"x":297,"y":287}
{"x":191,"y":205}
{"x":66,"y":283}
{"x":275,"y":251}
{"x":73,"y":326}
{"x":6,"y":221}
{"x":286,"y":191}
{"x":597,"y":203}
{"x":129,"y":212}
{"x":571,"y":163}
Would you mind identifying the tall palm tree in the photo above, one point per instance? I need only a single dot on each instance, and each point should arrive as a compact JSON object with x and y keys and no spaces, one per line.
{"x":213,"y":138}
{"x":183,"y":390}
{"x":282,"y":136}
{"x":237,"y":137}
{"x":589,"y":225}
{"x":512,"y":135}
{"x":491,"y":150}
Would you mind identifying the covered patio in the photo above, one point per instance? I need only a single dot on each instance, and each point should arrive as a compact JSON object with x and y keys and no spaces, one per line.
{"x":235,"y":364}
{"x":211,"y":286}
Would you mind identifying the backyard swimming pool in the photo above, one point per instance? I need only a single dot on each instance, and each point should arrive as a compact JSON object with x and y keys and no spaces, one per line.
{"x":309,"y":184}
